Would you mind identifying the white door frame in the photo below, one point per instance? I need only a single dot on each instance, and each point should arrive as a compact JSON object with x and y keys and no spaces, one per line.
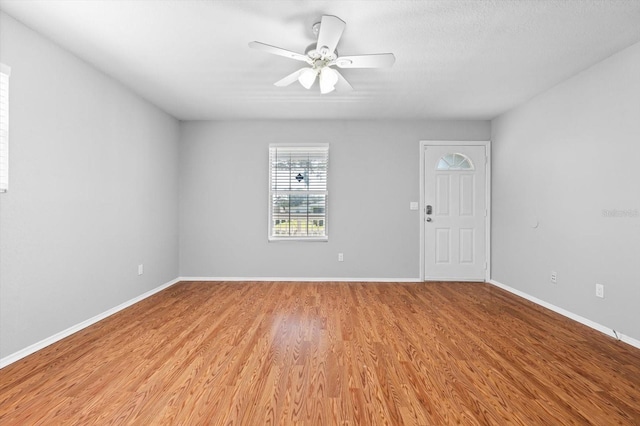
{"x":487,"y":145}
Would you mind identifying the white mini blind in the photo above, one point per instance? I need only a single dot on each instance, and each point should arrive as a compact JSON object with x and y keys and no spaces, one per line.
{"x":298,"y":192}
{"x":5,"y":72}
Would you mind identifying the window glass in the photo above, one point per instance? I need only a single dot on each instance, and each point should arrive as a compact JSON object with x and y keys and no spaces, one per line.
{"x":298,"y":192}
{"x":454,"y":161}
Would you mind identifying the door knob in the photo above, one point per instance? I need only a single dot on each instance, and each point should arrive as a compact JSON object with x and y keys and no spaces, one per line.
{"x":428,"y":219}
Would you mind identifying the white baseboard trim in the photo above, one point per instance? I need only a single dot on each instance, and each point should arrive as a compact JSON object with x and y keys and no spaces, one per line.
{"x":601,"y":328}
{"x":9,"y":359}
{"x":304,"y":279}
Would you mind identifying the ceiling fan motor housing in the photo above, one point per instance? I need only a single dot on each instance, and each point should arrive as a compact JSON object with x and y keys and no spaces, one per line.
{"x":314,"y":53}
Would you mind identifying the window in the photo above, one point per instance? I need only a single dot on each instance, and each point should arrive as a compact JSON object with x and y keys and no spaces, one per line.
{"x":298,"y":192}
{"x":5,"y":71}
{"x":454,"y":162}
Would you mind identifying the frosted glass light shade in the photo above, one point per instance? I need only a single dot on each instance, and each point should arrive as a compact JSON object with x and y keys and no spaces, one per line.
{"x":328,"y":80}
{"x":307,"y":77}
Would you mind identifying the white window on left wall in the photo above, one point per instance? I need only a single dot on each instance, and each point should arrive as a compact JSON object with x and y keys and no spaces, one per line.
{"x":298,"y":192}
{"x":5,"y":72}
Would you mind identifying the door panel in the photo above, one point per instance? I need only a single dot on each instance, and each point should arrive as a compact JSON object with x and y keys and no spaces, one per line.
{"x":442,"y":195}
{"x":467,"y":246}
{"x":443,"y":246}
{"x":455,"y":231}
{"x":466,"y":195}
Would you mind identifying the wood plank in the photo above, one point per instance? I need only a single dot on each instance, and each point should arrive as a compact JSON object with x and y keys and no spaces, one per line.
{"x":328,"y":353}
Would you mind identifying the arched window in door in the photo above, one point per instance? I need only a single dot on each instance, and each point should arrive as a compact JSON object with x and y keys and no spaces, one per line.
{"x":454,"y":161}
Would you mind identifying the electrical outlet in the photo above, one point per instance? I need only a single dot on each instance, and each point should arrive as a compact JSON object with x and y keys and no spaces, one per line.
{"x":600,"y":290}
{"x":340,"y":257}
{"x":554,"y":277}
{"x":140,"y":269}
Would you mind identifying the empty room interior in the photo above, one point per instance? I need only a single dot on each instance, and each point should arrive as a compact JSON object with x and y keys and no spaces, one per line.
{"x":320,"y":212}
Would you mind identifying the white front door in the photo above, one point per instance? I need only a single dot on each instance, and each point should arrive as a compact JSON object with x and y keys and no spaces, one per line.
{"x":455,"y":227}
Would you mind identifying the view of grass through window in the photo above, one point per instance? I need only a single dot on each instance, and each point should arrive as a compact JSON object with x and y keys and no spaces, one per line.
{"x":298,"y":192}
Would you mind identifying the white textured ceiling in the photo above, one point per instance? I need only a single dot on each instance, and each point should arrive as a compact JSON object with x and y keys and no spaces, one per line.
{"x":454,"y":59}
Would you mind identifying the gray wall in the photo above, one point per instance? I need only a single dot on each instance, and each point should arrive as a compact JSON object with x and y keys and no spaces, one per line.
{"x":93,"y":193}
{"x":561,"y":159}
{"x":374,"y":169}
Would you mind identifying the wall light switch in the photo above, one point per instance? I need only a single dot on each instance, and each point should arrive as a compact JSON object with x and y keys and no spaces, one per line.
{"x":140,"y":269}
{"x":600,"y":290}
{"x":413,"y":205}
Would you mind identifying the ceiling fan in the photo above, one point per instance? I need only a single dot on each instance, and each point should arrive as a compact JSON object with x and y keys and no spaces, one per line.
{"x":322,"y":55}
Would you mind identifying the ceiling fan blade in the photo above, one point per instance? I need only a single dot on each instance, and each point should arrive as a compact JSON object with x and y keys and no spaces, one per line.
{"x":279,"y":51}
{"x":331,"y":29}
{"x":378,"y":60}
{"x":291,"y":78}
{"x":342,"y":85}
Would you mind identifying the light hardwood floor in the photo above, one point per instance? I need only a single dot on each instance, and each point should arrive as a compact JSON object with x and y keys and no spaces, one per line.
{"x":261,"y":353}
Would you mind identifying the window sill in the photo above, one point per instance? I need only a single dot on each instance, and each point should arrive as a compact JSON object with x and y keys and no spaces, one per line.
{"x":298,"y":239}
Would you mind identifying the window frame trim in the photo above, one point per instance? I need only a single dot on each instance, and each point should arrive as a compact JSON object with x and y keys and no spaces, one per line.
{"x":5,"y":70}
{"x":303,"y":147}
